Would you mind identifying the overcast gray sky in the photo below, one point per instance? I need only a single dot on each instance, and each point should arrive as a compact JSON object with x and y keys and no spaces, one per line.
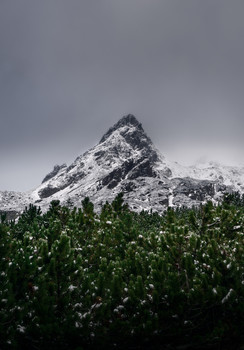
{"x":69,"y":69}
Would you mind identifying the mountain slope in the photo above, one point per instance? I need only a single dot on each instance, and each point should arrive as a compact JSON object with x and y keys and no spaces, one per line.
{"x":125,"y":160}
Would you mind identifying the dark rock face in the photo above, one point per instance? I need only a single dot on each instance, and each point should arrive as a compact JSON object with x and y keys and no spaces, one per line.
{"x":164,"y":202}
{"x":54,"y":172}
{"x":132,"y":170}
{"x":113,"y":178}
{"x":74,"y":178}
{"x":128,"y":187}
{"x":99,"y":155}
{"x":194,"y":189}
{"x":221,"y":188}
{"x":137,"y":139}
{"x":144,"y":169}
{"x":48,"y":191}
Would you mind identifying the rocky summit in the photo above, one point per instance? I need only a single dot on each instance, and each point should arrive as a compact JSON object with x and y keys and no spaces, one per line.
{"x":125,"y":160}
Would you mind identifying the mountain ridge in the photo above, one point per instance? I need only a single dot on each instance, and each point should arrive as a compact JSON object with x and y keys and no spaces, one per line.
{"x":126,"y":160}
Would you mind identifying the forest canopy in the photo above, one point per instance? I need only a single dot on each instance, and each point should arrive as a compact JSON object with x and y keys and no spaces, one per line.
{"x":72,"y":278}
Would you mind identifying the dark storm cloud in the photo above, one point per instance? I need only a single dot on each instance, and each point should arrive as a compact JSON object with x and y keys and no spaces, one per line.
{"x":70,"y":69}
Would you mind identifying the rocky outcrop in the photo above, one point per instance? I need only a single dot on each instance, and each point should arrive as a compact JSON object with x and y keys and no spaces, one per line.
{"x":54,"y":172}
{"x":128,"y":120}
{"x":195,"y":189}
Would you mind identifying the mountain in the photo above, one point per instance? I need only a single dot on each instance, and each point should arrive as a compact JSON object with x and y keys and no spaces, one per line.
{"x":125,"y":160}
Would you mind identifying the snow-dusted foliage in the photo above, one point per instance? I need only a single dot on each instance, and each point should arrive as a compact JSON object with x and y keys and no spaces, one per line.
{"x":74,"y":279}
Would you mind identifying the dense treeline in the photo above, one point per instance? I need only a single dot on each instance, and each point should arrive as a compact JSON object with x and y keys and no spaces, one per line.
{"x":74,"y":279}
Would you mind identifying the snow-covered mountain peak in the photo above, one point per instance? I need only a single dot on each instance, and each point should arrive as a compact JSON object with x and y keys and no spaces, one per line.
{"x":127,"y":138}
{"x":125,"y":160}
{"x":127,"y":122}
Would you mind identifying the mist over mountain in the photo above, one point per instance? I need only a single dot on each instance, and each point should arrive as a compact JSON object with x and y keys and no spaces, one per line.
{"x":126,"y":160}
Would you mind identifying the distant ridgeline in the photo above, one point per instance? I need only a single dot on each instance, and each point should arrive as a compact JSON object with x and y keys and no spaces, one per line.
{"x":76,"y":279}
